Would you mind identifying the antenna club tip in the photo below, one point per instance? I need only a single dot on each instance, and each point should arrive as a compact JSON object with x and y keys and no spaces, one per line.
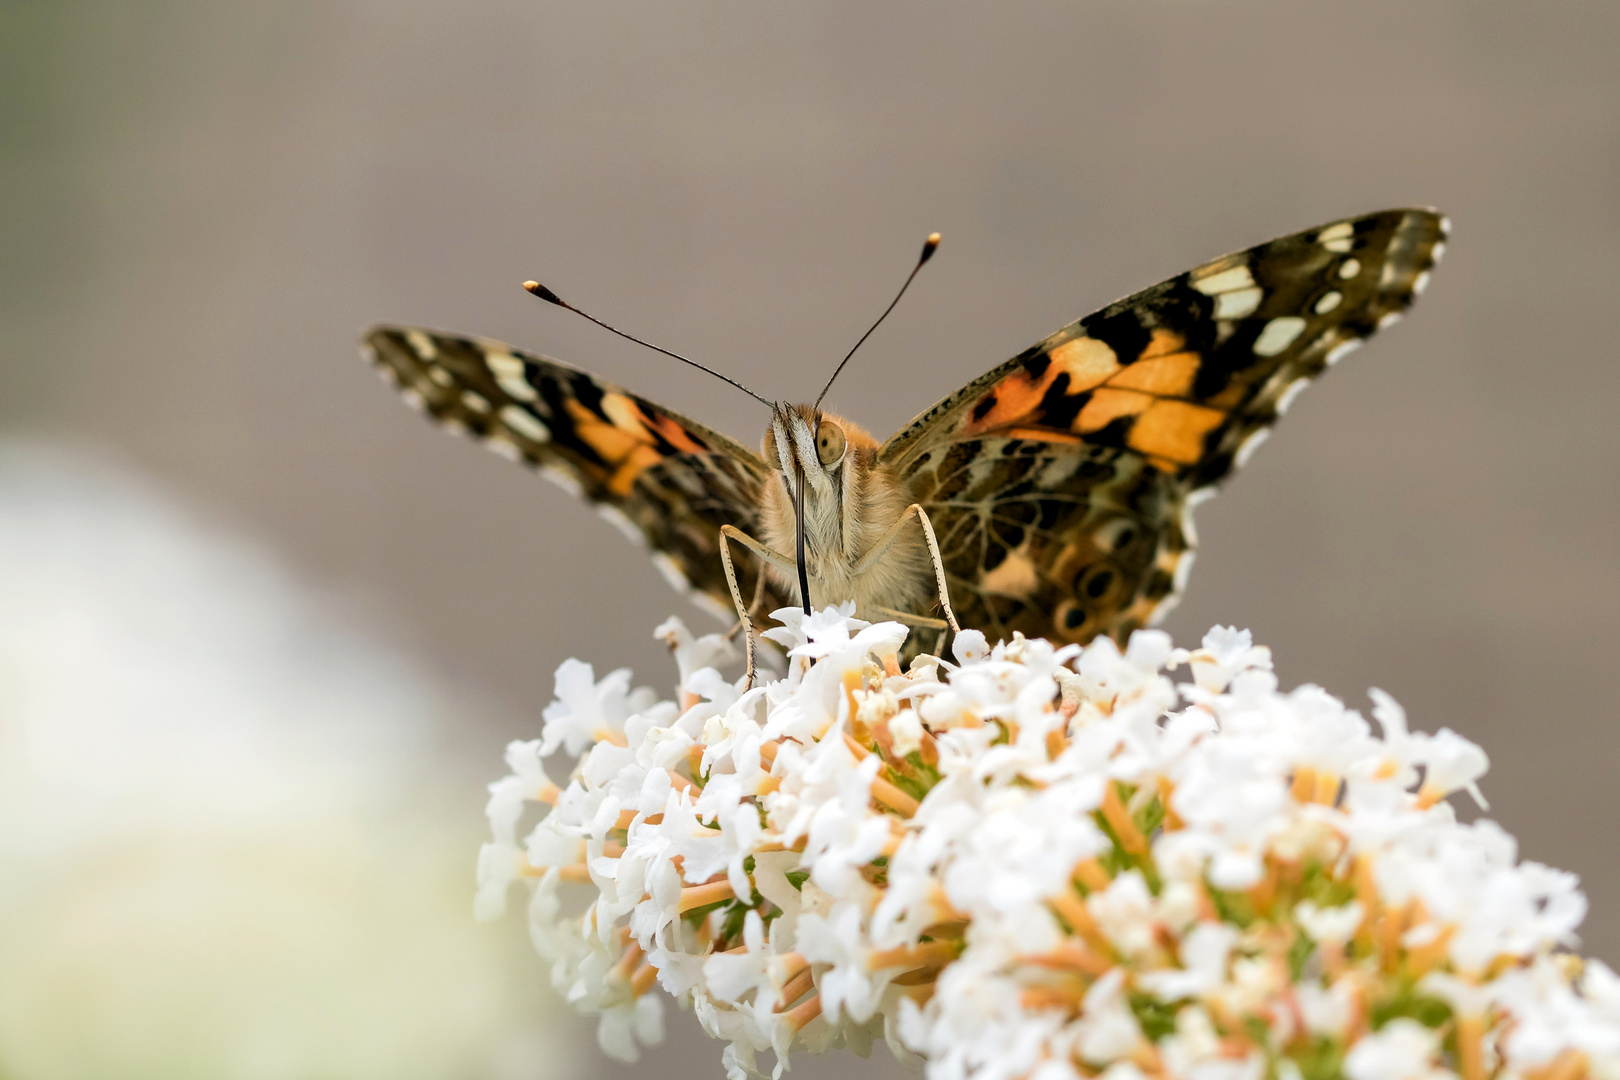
{"x":930,"y":246}
{"x":543,"y":293}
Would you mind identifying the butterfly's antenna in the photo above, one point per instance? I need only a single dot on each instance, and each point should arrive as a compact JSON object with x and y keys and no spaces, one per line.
{"x":929,"y":247}
{"x":552,"y":298}
{"x":798,"y":513}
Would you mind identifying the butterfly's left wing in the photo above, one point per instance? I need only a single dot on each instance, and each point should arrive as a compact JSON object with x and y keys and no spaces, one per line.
{"x":1059,"y":483}
{"x":664,"y":480}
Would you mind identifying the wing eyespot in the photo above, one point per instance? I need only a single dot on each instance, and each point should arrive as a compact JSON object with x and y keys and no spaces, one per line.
{"x":1095,"y":581}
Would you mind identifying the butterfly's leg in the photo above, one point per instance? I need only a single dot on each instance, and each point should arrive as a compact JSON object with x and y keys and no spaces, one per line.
{"x":928,"y":622}
{"x":742,"y":612}
{"x":888,"y":539}
{"x":753,"y":605}
{"x":731,"y":532}
{"x":759,"y":590}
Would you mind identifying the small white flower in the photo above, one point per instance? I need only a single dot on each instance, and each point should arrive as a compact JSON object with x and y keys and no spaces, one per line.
{"x":1203,"y":956}
{"x":1401,"y":1050}
{"x":906,"y":732}
{"x":1329,"y":926}
{"x":585,"y":708}
{"x":629,"y":1024}
{"x":970,"y":647}
{"x":1107,"y":1029}
{"x":1226,"y":651}
{"x":1327,"y":1010}
{"x":693,"y":654}
{"x":837,"y":940}
{"x":1454,"y":764}
{"x":498,"y":867}
{"x":1124,"y":911}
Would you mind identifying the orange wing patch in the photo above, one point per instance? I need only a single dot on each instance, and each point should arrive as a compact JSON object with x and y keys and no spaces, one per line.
{"x":626,"y":449}
{"x":1107,"y":405}
{"x":1151,"y":390}
{"x":1174,"y":430}
{"x":1017,"y":399}
{"x":1166,"y":368}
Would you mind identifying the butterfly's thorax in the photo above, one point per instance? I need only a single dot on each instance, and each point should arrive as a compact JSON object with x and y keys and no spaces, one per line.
{"x":848,"y":507}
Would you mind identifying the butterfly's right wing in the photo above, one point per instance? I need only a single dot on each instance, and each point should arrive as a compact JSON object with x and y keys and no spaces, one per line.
{"x":1060,"y":483}
{"x":663,"y":480}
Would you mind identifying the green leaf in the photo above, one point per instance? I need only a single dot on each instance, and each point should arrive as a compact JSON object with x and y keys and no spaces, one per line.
{"x":1322,"y":1059}
{"x":1158,"y":1018}
{"x":1233,"y":907}
{"x":1298,"y":954}
{"x":1407,"y":1001}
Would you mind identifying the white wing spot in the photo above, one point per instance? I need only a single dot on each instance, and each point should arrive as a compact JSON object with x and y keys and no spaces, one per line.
{"x":524,"y":423}
{"x":1445,"y":226}
{"x":1229,"y":280}
{"x":1286,"y":399}
{"x":1420,"y":283}
{"x":1342,"y":350}
{"x":508,"y":371}
{"x":615,"y":517}
{"x":422,"y":344}
{"x":1328,"y":302}
{"x":1178,"y":580}
{"x":671,"y":571}
{"x":504,"y":447}
{"x":1015,"y":576}
{"x":1250,"y":445}
{"x":1338,"y":238}
{"x":475,"y":401}
{"x":1279,"y":333}
{"x":413,"y":399}
{"x":454,"y":426}
{"x":1238,"y":304}
{"x":563,"y":479}
{"x":441,"y":376}
{"x":1437,"y":252}
{"x":1055,"y":472}
{"x":1389,"y":319}
{"x":1349,"y":269}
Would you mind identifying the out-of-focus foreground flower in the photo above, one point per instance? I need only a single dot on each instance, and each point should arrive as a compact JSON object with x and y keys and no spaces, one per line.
{"x":230,"y":845}
{"x":1040,"y":863}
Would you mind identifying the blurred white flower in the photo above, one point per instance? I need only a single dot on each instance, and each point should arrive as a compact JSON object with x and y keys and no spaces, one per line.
{"x":1402,"y":1050}
{"x":229,"y":841}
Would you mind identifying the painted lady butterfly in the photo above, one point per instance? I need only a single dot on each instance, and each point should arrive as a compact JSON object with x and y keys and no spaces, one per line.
{"x":1059,"y":485}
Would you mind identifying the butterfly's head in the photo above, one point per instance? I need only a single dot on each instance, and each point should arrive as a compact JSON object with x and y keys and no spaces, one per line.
{"x":804,"y":441}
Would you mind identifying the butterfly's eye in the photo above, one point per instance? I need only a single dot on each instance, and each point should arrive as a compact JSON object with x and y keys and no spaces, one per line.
{"x":829,"y":442}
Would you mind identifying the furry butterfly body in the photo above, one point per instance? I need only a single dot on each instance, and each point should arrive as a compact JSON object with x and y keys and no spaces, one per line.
{"x":1059,"y":485}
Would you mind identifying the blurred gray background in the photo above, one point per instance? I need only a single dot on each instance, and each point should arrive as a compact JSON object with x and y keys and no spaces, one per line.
{"x":205,"y":203}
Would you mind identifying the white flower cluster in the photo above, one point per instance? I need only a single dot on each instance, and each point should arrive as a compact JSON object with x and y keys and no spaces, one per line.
{"x":1041,"y":863}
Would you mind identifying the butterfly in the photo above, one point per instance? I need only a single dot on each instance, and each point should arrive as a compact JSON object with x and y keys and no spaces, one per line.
{"x":1052,"y":496}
